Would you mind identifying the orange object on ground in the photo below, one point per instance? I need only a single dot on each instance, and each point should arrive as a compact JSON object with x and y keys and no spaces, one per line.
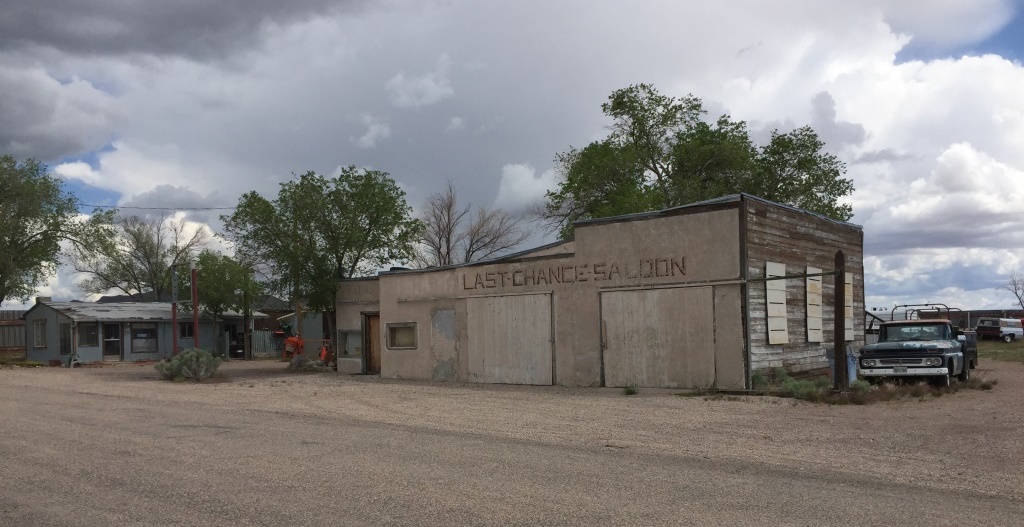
{"x":292,"y":346}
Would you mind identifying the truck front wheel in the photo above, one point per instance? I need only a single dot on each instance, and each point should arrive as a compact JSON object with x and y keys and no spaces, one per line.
{"x":1008,"y":338}
{"x":965,"y":375}
{"x":943,"y":381}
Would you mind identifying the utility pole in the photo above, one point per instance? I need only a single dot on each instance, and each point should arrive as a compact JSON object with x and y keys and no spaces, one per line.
{"x":839,"y":318}
{"x":174,"y":310}
{"x":195,"y":305}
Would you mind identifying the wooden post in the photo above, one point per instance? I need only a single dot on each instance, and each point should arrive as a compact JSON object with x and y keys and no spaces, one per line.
{"x":839,"y":302}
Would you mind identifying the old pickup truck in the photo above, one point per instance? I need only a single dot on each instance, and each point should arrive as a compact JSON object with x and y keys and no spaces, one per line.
{"x":932,"y":349}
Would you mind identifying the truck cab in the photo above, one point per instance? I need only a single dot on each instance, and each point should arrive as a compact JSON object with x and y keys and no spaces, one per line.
{"x":933,"y":349}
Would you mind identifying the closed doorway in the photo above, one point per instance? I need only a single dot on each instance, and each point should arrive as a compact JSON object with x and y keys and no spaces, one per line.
{"x":659,"y":338}
{"x":371,"y":332}
{"x":112,"y":342}
{"x":510,"y":339}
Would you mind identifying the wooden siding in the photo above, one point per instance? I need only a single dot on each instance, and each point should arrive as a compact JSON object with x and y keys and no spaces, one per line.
{"x":798,"y":240}
{"x":12,"y":335}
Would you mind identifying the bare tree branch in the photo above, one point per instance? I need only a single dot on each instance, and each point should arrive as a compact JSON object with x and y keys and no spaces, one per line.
{"x":138,"y":258}
{"x":452,"y":236}
{"x":1015,"y":285}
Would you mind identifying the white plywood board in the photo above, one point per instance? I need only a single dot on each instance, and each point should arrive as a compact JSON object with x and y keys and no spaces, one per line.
{"x":814,"y":311}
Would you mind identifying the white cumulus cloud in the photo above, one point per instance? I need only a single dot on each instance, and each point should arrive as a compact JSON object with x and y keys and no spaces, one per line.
{"x":424,"y":90}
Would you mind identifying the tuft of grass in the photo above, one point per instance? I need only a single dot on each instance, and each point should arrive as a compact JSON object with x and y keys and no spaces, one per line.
{"x":818,"y":390}
{"x":28,"y":364}
{"x":631,"y":389}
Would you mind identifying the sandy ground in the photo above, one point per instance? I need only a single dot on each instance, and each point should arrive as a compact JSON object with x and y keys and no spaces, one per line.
{"x":117,"y":446}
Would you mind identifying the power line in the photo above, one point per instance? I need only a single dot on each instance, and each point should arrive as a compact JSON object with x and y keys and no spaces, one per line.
{"x":157,"y":208}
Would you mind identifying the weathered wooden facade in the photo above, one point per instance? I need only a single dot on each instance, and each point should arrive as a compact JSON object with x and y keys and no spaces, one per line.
{"x":675,"y":298}
{"x":12,"y":334}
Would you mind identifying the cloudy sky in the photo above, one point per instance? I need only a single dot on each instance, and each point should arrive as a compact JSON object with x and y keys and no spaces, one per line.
{"x":188,"y":103}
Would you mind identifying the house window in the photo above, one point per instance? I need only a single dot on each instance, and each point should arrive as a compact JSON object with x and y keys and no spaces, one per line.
{"x":186,"y":330}
{"x":144,"y":338}
{"x":65,"y":339}
{"x":39,"y":333}
{"x":89,"y":335}
{"x":402,"y":336}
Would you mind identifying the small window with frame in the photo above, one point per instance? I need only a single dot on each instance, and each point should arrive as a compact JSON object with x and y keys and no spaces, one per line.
{"x":186,"y":330}
{"x":39,"y":333}
{"x":402,"y":336}
{"x":89,"y":335}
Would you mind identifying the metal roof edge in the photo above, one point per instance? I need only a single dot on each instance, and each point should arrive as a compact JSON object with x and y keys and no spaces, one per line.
{"x":499,"y":259}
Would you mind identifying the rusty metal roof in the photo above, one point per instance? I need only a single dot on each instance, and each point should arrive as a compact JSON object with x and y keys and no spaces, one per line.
{"x":126,"y":311}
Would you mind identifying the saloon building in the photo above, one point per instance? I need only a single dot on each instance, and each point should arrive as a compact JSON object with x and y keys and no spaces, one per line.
{"x":677,"y":298}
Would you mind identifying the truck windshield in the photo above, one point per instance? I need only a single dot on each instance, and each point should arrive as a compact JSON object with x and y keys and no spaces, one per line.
{"x":921,"y":332}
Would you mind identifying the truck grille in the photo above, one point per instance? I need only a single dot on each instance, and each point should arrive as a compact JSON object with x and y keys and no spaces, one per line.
{"x":898,"y":362}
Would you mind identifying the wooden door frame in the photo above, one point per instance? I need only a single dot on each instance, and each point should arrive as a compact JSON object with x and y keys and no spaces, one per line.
{"x":120,"y":339}
{"x":366,"y":337}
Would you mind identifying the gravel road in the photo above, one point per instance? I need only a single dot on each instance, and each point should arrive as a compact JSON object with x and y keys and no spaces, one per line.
{"x":117,"y":446}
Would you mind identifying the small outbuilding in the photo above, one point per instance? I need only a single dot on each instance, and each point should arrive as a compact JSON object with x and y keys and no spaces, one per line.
{"x":117,"y":331}
{"x":677,"y":298}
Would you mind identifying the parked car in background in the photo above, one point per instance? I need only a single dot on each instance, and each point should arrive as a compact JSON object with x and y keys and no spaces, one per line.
{"x":1007,"y":329}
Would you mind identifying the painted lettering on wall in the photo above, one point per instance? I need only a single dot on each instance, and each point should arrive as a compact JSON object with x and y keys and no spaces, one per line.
{"x":569,"y":274}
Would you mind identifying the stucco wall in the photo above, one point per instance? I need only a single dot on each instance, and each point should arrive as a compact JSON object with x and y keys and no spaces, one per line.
{"x":712,"y":247}
{"x":677,"y":250}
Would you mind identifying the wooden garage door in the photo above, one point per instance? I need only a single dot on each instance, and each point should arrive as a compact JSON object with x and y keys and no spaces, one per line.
{"x":510,"y":339}
{"x":660,"y":338}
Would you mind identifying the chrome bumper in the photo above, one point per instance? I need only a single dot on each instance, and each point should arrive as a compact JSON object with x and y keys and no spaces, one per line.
{"x":904,"y":372}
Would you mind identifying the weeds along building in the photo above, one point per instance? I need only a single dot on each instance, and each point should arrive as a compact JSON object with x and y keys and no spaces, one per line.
{"x":675,"y":298}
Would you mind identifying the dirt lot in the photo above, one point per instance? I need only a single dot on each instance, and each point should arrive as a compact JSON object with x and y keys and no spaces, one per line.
{"x":116,"y":446}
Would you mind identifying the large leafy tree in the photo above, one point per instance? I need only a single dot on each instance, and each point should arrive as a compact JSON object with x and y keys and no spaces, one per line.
{"x":224,"y":284}
{"x":137,"y":257}
{"x":36,"y":214}
{"x":321,"y":229}
{"x":661,"y":152}
{"x":454,"y":233}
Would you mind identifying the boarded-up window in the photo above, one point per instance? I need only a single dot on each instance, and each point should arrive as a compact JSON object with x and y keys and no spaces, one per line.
{"x":89,"y":335}
{"x":814,"y":305}
{"x":351,"y":343}
{"x":39,"y":333}
{"x":402,"y":336}
{"x":775,"y":298}
{"x":848,"y":307}
{"x":144,"y":338}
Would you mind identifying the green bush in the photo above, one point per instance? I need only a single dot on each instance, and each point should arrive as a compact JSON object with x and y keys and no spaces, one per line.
{"x":189,"y":365}
{"x":631,"y":389}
